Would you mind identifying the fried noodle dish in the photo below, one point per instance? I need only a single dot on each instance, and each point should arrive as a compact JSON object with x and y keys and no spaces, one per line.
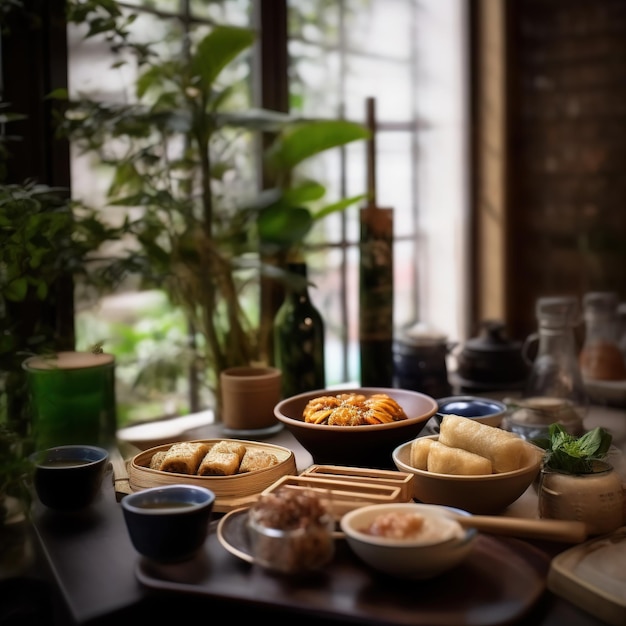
{"x":353,"y":409}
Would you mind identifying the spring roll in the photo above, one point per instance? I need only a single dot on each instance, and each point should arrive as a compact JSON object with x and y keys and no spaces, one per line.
{"x":418,"y":457}
{"x":445,"y":460}
{"x":506,"y":451}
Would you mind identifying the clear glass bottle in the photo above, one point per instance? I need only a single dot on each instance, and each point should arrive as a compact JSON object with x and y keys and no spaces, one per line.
{"x":554,"y":390}
{"x":299,"y":338}
{"x":600,"y":357}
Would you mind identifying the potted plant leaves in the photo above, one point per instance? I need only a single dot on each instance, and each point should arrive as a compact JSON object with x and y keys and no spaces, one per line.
{"x":15,"y":499}
{"x":182,"y":165}
{"x":577,"y":482}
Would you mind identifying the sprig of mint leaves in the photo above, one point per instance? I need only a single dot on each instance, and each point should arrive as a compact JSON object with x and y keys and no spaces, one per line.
{"x":571,"y":454}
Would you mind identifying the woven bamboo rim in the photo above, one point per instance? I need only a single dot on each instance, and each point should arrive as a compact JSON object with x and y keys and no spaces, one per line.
{"x":230,"y":491}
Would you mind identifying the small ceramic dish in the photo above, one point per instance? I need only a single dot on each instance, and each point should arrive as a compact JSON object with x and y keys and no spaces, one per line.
{"x":440,"y":544}
{"x":484,"y":410}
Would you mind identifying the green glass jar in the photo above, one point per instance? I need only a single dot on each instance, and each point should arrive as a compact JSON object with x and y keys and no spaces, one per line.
{"x":299,"y":338}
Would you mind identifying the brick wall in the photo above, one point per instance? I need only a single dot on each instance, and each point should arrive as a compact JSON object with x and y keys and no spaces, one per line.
{"x":566,"y":197}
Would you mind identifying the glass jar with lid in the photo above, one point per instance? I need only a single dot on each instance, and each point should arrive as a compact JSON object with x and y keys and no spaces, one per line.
{"x":554,"y":390}
{"x":600,"y":356}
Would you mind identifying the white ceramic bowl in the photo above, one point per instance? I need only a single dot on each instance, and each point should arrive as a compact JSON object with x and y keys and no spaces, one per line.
{"x":484,"y":494}
{"x":407,"y":558}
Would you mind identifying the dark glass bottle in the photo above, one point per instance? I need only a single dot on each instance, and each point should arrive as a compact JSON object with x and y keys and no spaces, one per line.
{"x":299,"y":338}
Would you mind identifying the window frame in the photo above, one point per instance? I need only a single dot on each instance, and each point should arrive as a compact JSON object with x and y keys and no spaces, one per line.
{"x":50,"y":69}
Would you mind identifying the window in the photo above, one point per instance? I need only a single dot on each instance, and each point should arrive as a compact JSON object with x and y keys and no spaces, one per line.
{"x":409,"y":56}
{"x":406,"y":54}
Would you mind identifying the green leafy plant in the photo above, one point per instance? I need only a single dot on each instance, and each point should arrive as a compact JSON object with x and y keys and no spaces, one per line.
{"x":571,"y":454}
{"x":288,"y":211}
{"x":180,"y":156}
{"x":15,"y":470}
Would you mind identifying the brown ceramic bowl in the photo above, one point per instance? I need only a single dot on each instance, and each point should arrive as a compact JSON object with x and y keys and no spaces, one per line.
{"x":356,"y":446}
{"x":485,"y":494}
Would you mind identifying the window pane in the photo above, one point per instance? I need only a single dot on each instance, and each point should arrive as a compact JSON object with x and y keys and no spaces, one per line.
{"x":408,"y":56}
{"x":392,"y":86}
{"x":149,"y":336}
{"x":381,"y":28}
{"x":233,"y":12}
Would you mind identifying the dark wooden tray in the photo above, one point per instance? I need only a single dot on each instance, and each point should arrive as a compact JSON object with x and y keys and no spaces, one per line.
{"x":501,"y":580}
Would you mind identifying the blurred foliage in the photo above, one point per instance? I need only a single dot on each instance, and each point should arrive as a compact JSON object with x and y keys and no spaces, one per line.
{"x":196,"y":225}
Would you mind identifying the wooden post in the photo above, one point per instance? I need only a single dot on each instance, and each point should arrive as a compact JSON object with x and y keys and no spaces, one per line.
{"x":375,"y":278}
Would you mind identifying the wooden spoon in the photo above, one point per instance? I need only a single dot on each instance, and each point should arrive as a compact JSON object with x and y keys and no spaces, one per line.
{"x":565,"y":531}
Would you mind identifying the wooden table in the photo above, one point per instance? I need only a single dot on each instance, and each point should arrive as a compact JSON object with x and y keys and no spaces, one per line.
{"x":91,"y":563}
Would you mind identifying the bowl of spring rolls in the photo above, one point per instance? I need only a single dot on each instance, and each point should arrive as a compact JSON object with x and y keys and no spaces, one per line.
{"x":358,"y":426}
{"x":469,"y":465}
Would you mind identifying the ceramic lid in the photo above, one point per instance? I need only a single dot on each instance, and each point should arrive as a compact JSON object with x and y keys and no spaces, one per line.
{"x":421,"y":334}
{"x":492,"y":339}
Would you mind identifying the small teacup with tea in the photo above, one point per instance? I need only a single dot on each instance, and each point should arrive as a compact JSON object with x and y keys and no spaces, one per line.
{"x":168,"y":524}
{"x":69,"y":478}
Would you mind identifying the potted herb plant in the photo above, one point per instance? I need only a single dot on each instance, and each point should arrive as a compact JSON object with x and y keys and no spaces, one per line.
{"x":577,"y":482}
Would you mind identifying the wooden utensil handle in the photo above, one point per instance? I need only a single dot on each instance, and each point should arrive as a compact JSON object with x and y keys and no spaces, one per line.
{"x":549,"y":529}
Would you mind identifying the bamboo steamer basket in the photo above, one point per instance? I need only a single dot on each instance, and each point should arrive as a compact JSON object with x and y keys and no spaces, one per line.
{"x":231,"y":492}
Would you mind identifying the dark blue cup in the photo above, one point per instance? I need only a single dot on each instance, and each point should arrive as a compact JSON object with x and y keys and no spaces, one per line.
{"x":68,"y":478}
{"x":168,"y":524}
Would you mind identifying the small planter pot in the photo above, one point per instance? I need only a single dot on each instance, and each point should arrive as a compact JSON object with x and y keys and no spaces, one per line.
{"x":249,"y":395}
{"x":596,"y":498}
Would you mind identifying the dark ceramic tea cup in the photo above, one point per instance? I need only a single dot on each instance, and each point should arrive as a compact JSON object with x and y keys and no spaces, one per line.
{"x":168,"y":524}
{"x":68,"y":478}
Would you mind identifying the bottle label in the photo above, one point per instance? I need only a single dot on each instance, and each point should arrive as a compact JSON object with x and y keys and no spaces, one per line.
{"x":376,"y":297}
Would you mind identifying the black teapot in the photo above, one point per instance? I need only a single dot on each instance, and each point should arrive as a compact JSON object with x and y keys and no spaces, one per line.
{"x":491,"y":361}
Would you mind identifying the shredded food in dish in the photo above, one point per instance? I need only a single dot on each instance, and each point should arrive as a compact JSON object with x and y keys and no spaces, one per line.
{"x":353,"y":409}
